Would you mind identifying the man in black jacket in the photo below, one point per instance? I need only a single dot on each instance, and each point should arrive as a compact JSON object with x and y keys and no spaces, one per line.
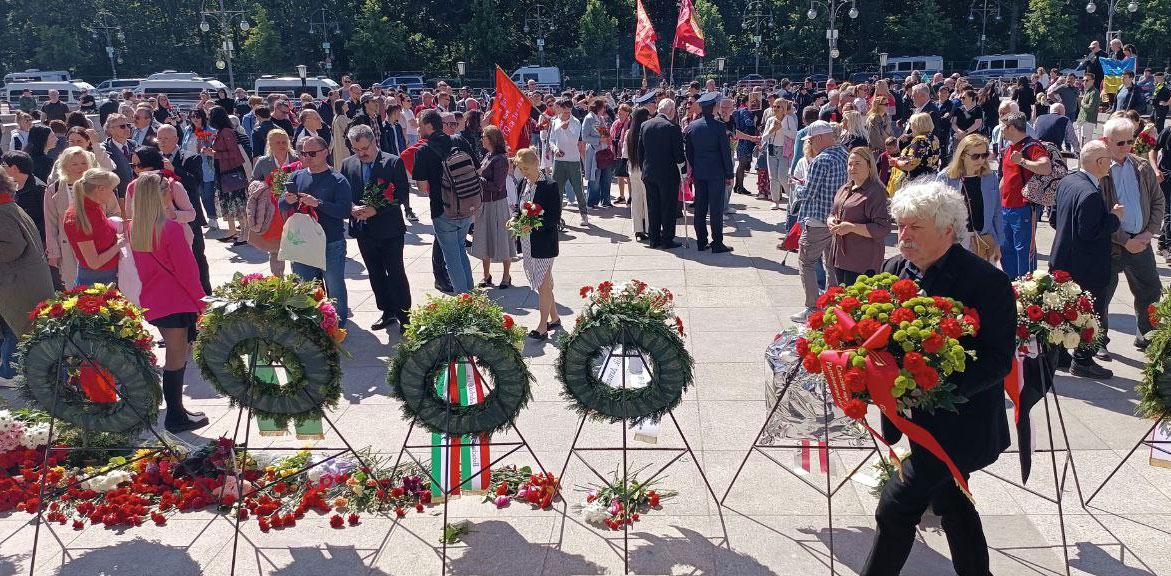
{"x":929,"y":217}
{"x":1091,"y":64}
{"x":709,"y":157}
{"x":660,"y":146}
{"x":1082,"y":243}
{"x":379,"y":230}
{"x":188,"y":168}
{"x":119,"y":147}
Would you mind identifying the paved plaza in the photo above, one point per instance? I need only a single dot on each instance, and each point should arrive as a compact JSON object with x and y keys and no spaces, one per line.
{"x":773,"y":523}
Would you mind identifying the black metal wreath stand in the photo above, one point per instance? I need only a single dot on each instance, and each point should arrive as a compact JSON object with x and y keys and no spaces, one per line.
{"x":513,"y":447}
{"x":830,"y":489}
{"x":625,"y":449}
{"x":1147,"y":439}
{"x":52,"y":492}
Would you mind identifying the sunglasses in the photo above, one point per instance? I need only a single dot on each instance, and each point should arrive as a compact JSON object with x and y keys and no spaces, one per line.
{"x":451,"y":123}
{"x":128,"y":125}
{"x":1121,"y":143}
{"x":135,"y":165}
{"x":312,"y":153}
{"x":980,"y":156}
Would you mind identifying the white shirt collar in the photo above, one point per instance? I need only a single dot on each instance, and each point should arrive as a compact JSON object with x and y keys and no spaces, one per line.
{"x":1092,"y":178}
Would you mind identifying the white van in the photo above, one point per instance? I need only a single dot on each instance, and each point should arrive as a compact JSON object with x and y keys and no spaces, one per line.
{"x":180,"y":87}
{"x":902,"y":66}
{"x":317,"y":87}
{"x":546,"y":77}
{"x":1002,"y":65}
{"x":34,"y":75}
{"x":69,"y":91}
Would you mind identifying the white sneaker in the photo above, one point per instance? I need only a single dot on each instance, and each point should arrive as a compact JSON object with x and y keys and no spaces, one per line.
{"x":801,"y":317}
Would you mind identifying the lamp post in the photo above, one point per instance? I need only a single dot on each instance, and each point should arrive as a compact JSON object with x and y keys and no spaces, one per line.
{"x":720,"y":62}
{"x":831,"y":33}
{"x":108,"y":25}
{"x":539,"y":19}
{"x":461,"y":68}
{"x":223,"y":18}
{"x":756,"y":14}
{"x":1111,"y":8}
{"x":323,"y":22}
{"x":984,"y":9}
{"x":882,"y":59}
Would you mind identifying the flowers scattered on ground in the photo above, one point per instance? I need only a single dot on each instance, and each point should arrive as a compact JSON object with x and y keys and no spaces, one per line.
{"x":510,"y":483}
{"x":621,"y":502}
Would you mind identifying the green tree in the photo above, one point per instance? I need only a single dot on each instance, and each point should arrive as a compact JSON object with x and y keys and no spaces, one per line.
{"x":1051,"y":29}
{"x":378,"y":44}
{"x":598,"y":31}
{"x":1152,"y":31}
{"x":490,"y":42}
{"x":715,"y":38}
{"x":262,"y":48}
{"x":918,"y":27}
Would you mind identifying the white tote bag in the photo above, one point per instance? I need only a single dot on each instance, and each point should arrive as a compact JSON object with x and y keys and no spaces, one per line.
{"x":128,"y":282}
{"x":303,"y":240}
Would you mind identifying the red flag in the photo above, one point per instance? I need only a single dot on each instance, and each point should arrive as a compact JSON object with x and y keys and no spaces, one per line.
{"x":644,"y":41}
{"x":688,"y":36}
{"x":510,"y":110}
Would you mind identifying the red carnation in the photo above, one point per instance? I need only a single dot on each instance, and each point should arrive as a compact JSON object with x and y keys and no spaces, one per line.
{"x":879,"y":296}
{"x":830,"y":296}
{"x":585,"y":290}
{"x":336,"y":521}
{"x":855,"y":409}
{"x":927,"y":378}
{"x":653,"y":498}
{"x":900,"y":315}
{"x":834,"y":335}
{"x":942,"y":303}
{"x":816,"y":320}
{"x":1053,"y":318}
{"x":1022,"y":331}
{"x":905,"y":289}
{"x":812,"y":364}
{"x":972,"y":318}
{"x":1060,"y":276}
{"x":508,"y":322}
{"x":913,"y":361}
{"x":855,"y":380}
{"x":802,"y":347}
{"x":866,"y":328}
{"x":89,"y":304}
{"x":1034,"y":312}
{"x":1153,"y":314}
{"x":933,"y":343}
{"x":951,"y":328}
{"x":353,"y":519}
{"x":849,"y":304}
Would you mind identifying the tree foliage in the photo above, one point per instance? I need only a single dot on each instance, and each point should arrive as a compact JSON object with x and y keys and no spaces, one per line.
{"x":598,"y":30}
{"x":1050,"y":26}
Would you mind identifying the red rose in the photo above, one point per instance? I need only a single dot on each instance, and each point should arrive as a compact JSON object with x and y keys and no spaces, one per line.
{"x":812,"y":364}
{"x":855,"y":380}
{"x":388,"y":192}
{"x":934,"y":343}
{"x":879,"y":296}
{"x":927,"y":378}
{"x":849,"y":304}
{"x":1054,"y":318}
{"x":855,"y":409}
{"x":951,"y":328}
{"x":1034,"y":312}
{"x":1070,"y":313}
{"x":336,"y":521}
{"x":508,"y":322}
{"x":1060,"y":276}
{"x":900,"y":315}
{"x":1022,"y":331}
{"x":913,"y":361}
{"x":802,"y":347}
{"x":905,"y":289}
{"x":816,"y":320}
{"x":1087,"y":334}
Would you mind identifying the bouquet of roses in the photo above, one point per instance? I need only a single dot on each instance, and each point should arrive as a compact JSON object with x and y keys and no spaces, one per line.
{"x":279,"y":178}
{"x":620,"y":501}
{"x":1053,"y":309}
{"x":378,"y":193}
{"x":528,"y":220}
{"x":511,"y":483}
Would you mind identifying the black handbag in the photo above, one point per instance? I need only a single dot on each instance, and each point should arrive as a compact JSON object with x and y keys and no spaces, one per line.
{"x":233,"y":181}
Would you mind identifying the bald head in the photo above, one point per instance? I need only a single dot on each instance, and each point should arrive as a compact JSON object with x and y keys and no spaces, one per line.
{"x":1095,"y":158}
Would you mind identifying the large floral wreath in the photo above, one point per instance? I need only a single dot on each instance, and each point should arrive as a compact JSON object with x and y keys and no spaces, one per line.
{"x":96,"y":336}
{"x":274,"y":321}
{"x":1155,"y":388}
{"x":453,"y":329}
{"x":634,"y":317}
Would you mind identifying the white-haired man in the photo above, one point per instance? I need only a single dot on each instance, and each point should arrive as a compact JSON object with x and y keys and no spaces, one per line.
{"x":1133,"y":184}
{"x":931,"y":220}
{"x":1056,"y":128}
{"x":660,"y":149}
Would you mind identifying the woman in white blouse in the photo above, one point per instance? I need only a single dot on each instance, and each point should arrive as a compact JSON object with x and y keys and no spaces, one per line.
{"x":779,"y":137}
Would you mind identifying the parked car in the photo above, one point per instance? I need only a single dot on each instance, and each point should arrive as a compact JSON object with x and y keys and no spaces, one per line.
{"x":411,"y":81}
{"x":118,"y":84}
{"x":546,"y":77}
{"x":1002,"y":65}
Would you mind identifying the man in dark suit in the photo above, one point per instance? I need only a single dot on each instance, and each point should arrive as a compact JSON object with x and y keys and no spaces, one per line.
{"x":929,"y":217}
{"x":264,"y":125}
{"x":379,"y":230}
{"x":1091,"y":64}
{"x":660,"y":146}
{"x":1082,"y":243}
{"x":710,"y":157}
{"x":143,"y":131}
{"x":119,"y":147}
{"x":188,"y":168}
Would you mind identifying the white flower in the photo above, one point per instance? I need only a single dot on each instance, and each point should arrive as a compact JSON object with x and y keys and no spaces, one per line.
{"x":1028,"y":288}
{"x":1056,"y":336}
{"x":594,"y":513}
{"x":35,"y":436}
{"x":1020,"y":308}
{"x":1040,"y":275}
{"x":1083,"y":320}
{"x":1052,"y":300}
{"x":1072,"y":340}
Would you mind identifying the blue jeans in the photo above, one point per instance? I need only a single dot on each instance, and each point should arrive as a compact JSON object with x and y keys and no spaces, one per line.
{"x":598,"y":190}
{"x":451,"y":233}
{"x":1017,"y":247}
{"x":85,"y":276}
{"x":207,"y":194}
{"x":7,"y":347}
{"x":333,"y":275}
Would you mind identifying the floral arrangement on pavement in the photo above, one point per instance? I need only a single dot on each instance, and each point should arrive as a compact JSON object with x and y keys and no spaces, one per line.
{"x":511,"y":483}
{"x":1154,"y":389}
{"x":449,"y":330}
{"x":527,"y":220}
{"x":630,"y":317}
{"x":882,"y":342}
{"x":108,"y":354}
{"x":378,"y":193}
{"x":619,"y":502}
{"x":284,"y":321}
{"x":1052,"y":308}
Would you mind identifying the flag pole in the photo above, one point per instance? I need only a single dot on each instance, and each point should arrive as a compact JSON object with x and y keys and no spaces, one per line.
{"x":672,"y":73}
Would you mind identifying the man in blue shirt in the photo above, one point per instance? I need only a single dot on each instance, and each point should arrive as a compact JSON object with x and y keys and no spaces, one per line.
{"x":327,"y":193}
{"x":827,"y":173}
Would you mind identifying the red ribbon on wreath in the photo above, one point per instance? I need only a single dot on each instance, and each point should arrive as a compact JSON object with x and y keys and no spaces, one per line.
{"x":880,"y":372}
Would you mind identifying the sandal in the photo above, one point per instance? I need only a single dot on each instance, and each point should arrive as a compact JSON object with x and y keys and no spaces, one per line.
{"x":505,"y":283}
{"x":553,"y":325}
{"x":485,"y":283}
{"x":538,"y":335}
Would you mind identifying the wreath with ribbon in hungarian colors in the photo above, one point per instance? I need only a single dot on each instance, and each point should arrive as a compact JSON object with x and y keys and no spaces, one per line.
{"x":266,"y":321}
{"x":455,"y":329}
{"x":1154,"y":390}
{"x":631,"y":317}
{"x":94,"y":338}
{"x":881,"y":341}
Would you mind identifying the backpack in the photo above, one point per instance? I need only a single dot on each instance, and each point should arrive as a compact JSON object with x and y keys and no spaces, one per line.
{"x":460,"y":186}
{"x":1043,"y":189}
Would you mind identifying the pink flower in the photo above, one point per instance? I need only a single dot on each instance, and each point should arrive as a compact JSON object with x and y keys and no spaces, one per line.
{"x":329,"y":320}
{"x":252,"y":277}
{"x":502,"y":501}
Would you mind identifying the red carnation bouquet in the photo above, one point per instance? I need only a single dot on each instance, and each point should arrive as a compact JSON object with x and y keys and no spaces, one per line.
{"x":378,"y":193}
{"x":1052,"y":308}
{"x":527,"y":220}
{"x":882,"y":342}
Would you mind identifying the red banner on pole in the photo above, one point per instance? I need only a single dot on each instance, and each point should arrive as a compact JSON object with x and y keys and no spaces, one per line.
{"x":645,"y":52}
{"x":688,"y":36}
{"x":510,"y":110}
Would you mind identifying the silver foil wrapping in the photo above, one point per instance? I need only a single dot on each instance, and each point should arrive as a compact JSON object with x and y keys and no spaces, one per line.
{"x":806,"y":403}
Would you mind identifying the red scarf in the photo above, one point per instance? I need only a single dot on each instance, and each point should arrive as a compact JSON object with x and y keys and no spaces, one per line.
{"x":6,"y":198}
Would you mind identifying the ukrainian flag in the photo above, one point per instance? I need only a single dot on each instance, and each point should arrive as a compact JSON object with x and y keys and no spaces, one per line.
{"x":1112,"y":72}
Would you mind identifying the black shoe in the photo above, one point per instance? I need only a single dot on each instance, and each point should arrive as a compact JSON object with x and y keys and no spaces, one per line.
{"x":444,"y":289}
{"x":1141,"y":343}
{"x":505,"y":283}
{"x":720,"y":248}
{"x":553,"y":326}
{"x":639,"y":236}
{"x":226,"y":239}
{"x":411,"y":215}
{"x":178,"y":419}
{"x":669,"y":245}
{"x":383,"y":323}
{"x":239,"y":243}
{"x":183,"y":423}
{"x":485,"y":283}
{"x":1064,"y":361}
{"x":701,"y":246}
{"x":538,"y":335}
{"x":1090,"y":369}
{"x":1103,"y":354}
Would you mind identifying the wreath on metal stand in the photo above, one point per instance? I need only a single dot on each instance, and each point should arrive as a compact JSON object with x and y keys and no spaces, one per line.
{"x":284,"y":321}
{"x":633,"y":318}
{"x":447,"y":330}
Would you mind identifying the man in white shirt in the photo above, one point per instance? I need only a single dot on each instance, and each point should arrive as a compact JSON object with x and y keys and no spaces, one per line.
{"x":568,"y":150}
{"x":24,"y":122}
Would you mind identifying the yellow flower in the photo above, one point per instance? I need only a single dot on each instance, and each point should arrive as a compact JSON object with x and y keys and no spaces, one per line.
{"x":70,"y":303}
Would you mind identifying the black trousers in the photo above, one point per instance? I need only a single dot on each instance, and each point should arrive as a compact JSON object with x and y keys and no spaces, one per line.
{"x":848,"y":278}
{"x":743,"y":163}
{"x":1160,"y":119}
{"x":388,"y":276}
{"x":1165,"y":234}
{"x":709,"y":202}
{"x":661,"y":197}
{"x":197,"y":248}
{"x":926,"y":482}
